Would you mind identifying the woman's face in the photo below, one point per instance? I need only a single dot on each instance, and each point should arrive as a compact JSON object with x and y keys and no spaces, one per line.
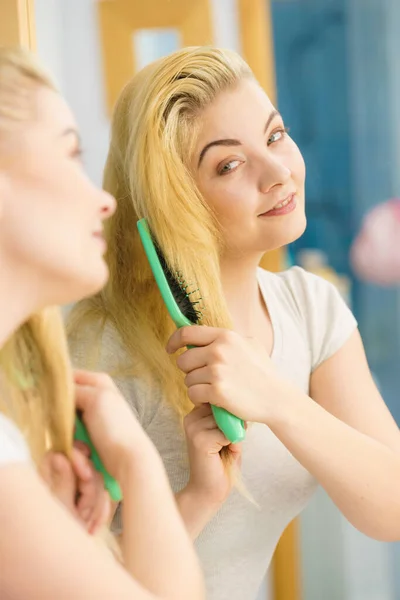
{"x":250,"y":172}
{"x":51,"y":215}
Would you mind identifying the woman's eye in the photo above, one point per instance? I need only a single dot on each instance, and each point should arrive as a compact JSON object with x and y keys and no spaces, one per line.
{"x":77,"y":154}
{"x":228,"y":167}
{"x":277,"y":135}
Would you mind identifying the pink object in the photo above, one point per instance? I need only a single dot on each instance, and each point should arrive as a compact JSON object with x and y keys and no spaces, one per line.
{"x":375,"y":254}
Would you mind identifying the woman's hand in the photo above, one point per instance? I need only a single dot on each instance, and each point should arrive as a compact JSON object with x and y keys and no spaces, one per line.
{"x":229,"y":371}
{"x":117,"y":436}
{"x":209,"y":481}
{"x":78,"y":486}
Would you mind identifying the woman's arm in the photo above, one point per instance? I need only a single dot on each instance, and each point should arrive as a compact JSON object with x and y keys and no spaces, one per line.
{"x":45,"y":554}
{"x":210,"y":483}
{"x":156,"y":546}
{"x":344,"y":436}
{"x":348,"y":440}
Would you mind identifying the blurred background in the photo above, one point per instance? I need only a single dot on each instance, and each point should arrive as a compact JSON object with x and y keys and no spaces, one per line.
{"x":333,"y":68}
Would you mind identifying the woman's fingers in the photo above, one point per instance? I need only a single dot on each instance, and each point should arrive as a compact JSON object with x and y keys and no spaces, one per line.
{"x":93,"y":379}
{"x":59,"y":475}
{"x":102,"y":513}
{"x":192,"y":336}
{"x":192,"y":359}
{"x":82,"y":447}
{"x":82,"y":464}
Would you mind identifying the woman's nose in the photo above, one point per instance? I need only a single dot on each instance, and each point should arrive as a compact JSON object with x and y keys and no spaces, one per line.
{"x":275,"y":172}
{"x":109,"y":205}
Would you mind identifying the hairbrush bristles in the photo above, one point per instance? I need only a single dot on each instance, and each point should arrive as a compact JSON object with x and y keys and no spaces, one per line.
{"x":187,"y":296}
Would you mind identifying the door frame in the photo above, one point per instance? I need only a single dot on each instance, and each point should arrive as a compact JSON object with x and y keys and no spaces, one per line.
{"x":17,"y":23}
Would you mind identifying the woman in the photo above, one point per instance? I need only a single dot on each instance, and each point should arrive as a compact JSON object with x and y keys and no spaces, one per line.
{"x":199,"y":150}
{"x":51,"y":248}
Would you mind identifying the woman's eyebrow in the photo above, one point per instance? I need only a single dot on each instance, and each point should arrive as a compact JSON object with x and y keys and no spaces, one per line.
{"x":232,"y":142}
{"x":226,"y":142}
{"x":275,"y":113}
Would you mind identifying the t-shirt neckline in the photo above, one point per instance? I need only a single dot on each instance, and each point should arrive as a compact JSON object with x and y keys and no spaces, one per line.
{"x":267,"y":292}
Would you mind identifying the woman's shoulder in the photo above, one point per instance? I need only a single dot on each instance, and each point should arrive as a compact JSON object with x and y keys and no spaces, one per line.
{"x":301,"y":288}
{"x":317,"y":305}
{"x":97,"y":345}
{"x":295,"y":279}
{"x":13,"y":447}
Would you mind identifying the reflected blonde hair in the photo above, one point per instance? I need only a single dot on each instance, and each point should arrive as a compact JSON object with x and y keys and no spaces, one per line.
{"x":154,"y":126}
{"x":36,"y":375}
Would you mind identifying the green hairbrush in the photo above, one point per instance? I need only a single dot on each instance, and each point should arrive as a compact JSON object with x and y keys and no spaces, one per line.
{"x":184,"y":312}
{"x":111,"y":485}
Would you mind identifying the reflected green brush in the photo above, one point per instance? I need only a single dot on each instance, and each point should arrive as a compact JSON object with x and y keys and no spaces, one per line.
{"x":183,"y":313}
{"x":111,"y":485}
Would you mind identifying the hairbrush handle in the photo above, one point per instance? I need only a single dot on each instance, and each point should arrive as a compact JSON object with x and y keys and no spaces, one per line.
{"x":231,"y":426}
{"x":111,"y":485}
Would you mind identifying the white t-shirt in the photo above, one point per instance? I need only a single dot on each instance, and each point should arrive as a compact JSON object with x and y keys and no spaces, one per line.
{"x":13,"y":448}
{"x":310,"y":323}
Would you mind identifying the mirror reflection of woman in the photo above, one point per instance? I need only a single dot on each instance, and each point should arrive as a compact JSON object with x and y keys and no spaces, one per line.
{"x":199,"y":150}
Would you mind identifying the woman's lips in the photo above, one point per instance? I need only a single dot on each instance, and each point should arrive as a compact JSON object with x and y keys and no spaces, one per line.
{"x":99,"y":236}
{"x":283,"y":208}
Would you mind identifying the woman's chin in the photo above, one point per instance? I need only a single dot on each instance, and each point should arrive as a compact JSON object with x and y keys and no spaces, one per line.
{"x":288,"y":234}
{"x":87,"y":284}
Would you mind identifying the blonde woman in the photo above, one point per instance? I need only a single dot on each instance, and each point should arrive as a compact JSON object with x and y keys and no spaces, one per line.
{"x":51,"y":248}
{"x":199,"y":150}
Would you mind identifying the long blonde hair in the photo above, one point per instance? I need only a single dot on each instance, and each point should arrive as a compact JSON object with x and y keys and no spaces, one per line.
{"x":153,"y":128}
{"x":36,"y":375}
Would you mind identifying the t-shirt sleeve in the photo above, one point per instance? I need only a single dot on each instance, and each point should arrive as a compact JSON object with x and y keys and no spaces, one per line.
{"x":100,"y":349}
{"x":13,"y":448}
{"x":329,"y":321}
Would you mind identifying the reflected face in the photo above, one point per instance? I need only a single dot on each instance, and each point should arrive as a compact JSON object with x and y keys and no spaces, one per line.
{"x":51,"y":215}
{"x":249,"y":171}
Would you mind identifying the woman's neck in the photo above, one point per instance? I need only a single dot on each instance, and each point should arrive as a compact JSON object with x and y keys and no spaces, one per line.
{"x":17,"y":301}
{"x":240,"y":285}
